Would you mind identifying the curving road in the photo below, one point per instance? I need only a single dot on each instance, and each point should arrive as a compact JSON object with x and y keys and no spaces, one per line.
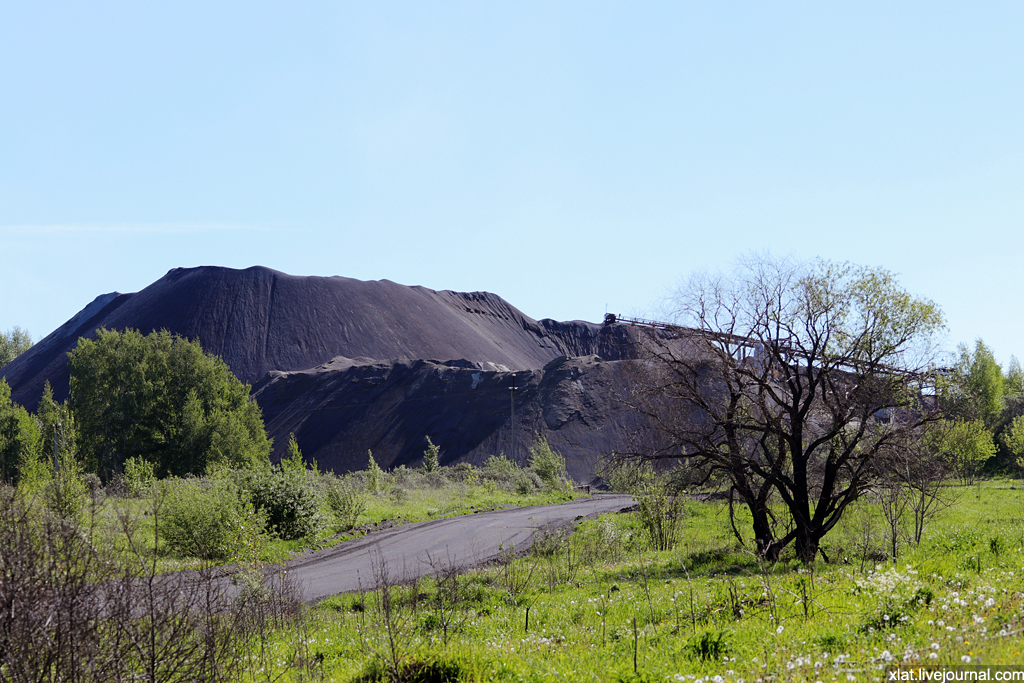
{"x":409,"y":551}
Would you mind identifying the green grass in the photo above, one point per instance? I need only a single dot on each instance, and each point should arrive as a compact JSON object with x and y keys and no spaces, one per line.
{"x":406,"y":497}
{"x":707,"y":608}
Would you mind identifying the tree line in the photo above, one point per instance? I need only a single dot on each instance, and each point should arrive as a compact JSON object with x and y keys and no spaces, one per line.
{"x":157,"y":398}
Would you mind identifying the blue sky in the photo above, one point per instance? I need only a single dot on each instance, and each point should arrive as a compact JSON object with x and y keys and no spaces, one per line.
{"x":567,"y":156}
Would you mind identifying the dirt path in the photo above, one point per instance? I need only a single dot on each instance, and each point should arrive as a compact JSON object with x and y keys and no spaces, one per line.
{"x":408,"y":551}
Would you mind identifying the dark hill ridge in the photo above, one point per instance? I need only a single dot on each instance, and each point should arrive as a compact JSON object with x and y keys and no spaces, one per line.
{"x":260,"y":320}
{"x":340,"y":410}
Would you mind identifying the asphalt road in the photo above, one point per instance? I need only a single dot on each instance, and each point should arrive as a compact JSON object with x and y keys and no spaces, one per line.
{"x":412,"y":550}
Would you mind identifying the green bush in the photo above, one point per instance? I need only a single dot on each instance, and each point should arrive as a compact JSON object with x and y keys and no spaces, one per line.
{"x":206,"y":518}
{"x":627,"y":476}
{"x":660,"y":513}
{"x":526,"y":482}
{"x":290,"y":499}
{"x":67,"y":492}
{"x":431,"y":457}
{"x":375,"y":479}
{"x":547,"y":463}
{"x":345,"y":500}
{"x":35,"y":473}
{"x":139,"y":475}
{"x":499,"y":464}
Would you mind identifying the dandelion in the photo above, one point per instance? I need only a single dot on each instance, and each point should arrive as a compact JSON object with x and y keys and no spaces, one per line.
{"x":934,"y":646}
{"x":966,"y":659}
{"x":780,"y":629}
{"x":933,"y":655}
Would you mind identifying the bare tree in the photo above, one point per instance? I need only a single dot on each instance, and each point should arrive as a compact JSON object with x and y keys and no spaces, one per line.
{"x":76,"y":605}
{"x":450,"y":598}
{"x":785,"y":380}
{"x":388,"y":636}
{"x":914,"y":471}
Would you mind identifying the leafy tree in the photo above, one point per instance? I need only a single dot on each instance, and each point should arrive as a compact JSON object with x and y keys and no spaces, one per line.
{"x":293,"y":460}
{"x":374,"y":475}
{"x":787,"y":381}
{"x":20,"y":440}
{"x":1013,"y":439}
{"x":547,"y":463}
{"x":57,"y":426}
{"x":13,"y":344}
{"x":965,"y":444}
{"x":977,"y":386}
{"x":1014,"y":377}
{"x":160,"y":398}
{"x":431,"y":457}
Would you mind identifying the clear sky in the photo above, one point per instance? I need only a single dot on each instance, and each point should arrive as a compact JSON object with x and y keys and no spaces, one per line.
{"x":567,"y":156}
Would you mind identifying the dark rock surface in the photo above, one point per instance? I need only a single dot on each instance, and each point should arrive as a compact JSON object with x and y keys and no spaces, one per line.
{"x":259,"y":320}
{"x":340,"y":410}
{"x":341,"y":363}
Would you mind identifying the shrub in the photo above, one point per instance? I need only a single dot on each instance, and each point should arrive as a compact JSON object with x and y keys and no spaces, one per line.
{"x":462,"y":471}
{"x":526,"y":482}
{"x":67,"y":492}
{"x":35,"y":474}
{"x":82,"y":606}
{"x":431,"y":457}
{"x":627,"y":476}
{"x":374,"y":475}
{"x":499,"y":464}
{"x":290,"y":500}
{"x":345,"y":500}
{"x":204,"y":518}
{"x":139,"y":475}
{"x":660,"y":513}
{"x":547,"y":463}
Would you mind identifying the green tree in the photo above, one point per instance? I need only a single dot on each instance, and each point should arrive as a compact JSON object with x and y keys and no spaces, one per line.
{"x":57,"y":426}
{"x":12,"y":344}
{"x":160,"y":398}
{"x":20,"y":440}
{"x":293,"y":460}
{"x":965,"y":444}
{"x":1013,"y":439}
{"x":547,"y":463}
{"x":431,"y":457}
{"x":375,"y":480}
{"x":977,"y":386}
{"x":1014,"y":377}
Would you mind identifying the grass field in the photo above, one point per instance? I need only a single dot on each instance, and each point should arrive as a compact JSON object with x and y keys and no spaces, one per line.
{"x":599,"y":605}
